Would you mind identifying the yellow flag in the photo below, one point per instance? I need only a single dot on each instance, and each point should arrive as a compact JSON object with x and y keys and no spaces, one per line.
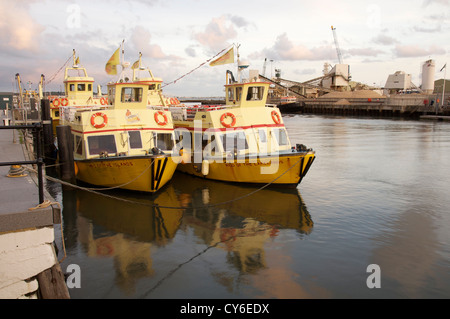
{"x":224,"y":59}
{"x":77,"y":61}
{"x":135,"y":65}
{"x":111,"y":65}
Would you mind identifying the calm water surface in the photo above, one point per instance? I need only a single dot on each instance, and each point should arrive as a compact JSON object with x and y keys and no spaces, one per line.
{"x":377,"y":193}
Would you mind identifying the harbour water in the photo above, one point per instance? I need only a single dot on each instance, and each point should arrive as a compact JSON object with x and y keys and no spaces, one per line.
{"x":378,"y":193}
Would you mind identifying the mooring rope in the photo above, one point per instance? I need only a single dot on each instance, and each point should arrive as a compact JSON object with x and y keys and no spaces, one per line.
{"x":46,"y":204}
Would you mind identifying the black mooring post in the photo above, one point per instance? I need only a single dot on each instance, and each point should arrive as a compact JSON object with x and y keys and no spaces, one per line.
{"x":49,"y":146}
{"x":65,"y":149}
{"x":40,"y":162}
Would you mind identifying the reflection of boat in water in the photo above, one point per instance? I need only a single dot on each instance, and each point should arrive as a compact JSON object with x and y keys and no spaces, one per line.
{"x":124,"y":229}
{"x":133,"y":214}
{"x":282,"y":208}
{"x":130,"y":230}
{"x":240,"y":227}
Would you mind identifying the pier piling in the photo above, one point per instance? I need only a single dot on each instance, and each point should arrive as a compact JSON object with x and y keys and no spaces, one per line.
{"x":65,"y":149}
{"x":49,"y":146}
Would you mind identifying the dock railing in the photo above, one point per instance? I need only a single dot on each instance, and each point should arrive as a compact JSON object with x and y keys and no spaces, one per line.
{"x":37,"y":132}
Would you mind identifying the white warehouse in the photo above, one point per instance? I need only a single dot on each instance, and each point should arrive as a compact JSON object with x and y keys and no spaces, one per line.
{"x":399,"y":81}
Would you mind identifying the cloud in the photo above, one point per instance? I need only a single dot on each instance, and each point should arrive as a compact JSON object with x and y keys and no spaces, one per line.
{"x":407,"y":51}
{"x":219,"y":31}
{"x":190,"y":51}
{"x":436,"y":28}
{"x":240,"y":22}
{"x":364,"y":52}
{"x":442,"y":2}
{"x":141,"y":41}
{"x":284,"y":49}
{"x":384,"y":40}
{"x":18,"y":30}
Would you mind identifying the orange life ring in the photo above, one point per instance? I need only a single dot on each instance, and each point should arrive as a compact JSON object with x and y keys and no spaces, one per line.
{"x":64,"y":102}
{"x":276,"y":117}
{"x":158,"y":121}
{"x":100,"y":125}
{"x":56,"y":102}
{"x":103,"y":101}
{"x":228,"y":114}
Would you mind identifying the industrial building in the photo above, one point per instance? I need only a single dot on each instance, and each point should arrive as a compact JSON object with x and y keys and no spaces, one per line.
{"x":6,"y":100}
{"x":439,"y":85}
{"x":399,"y":81}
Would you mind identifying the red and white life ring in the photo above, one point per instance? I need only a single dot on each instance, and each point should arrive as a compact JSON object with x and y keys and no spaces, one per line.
{"x":64,"y":102}
{"x":157,"y":118}
{"x":103,"y":101}
{"x":99,"y":125}
{"x":276,"y":117}
{"x":56,"y":102}
{"x":225,"y":115}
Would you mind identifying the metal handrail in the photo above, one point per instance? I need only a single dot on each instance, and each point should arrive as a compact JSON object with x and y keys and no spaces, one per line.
{"x":37,"y":128}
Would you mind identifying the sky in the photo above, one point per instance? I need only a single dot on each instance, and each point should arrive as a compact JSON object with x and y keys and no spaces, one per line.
{"x":178,"y":37}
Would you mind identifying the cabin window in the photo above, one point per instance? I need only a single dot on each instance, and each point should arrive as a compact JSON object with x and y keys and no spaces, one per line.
{"x":152,"y":87}
{"x":255,"y":93}
{"x":238,"y":93}
{"x":262,"y":136}
{"x":164,"y":141}
{"x":135,"y":139}
{"x":281,"y":136}
{"x":183,"y":139}
{"x":81,"y":87}
{"x":209,"y":144}
{"x":72,"y":87}
{"x":101,"y":143}
{"x":112,"y":97}
{"x":78,"y":145}
{"x":231,"y":94}
{"x":131,"y":95}
{"x":234,"y":141}
{"x":89,"y":87}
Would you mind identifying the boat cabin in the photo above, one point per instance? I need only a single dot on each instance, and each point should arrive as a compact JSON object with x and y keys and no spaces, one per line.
{"x":249,"y":94}
{"x":243,"y":127}
{"x":77,"y":84}
{"x":120,"y":132}
{"x":139,"y":93}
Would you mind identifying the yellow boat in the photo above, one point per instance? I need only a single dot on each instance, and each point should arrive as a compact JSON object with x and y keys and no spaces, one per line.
{"x":243,"y":141}
{"x":78,"y":88}
{"x":126,"y":144}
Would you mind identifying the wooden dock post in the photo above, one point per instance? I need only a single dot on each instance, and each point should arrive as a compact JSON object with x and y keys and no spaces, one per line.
{"x":52,"y":284}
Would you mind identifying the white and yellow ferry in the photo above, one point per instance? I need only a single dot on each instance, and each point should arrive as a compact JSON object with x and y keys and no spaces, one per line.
{"x":124,"y":144}
{"x":78,"y":88}
{"x":243,"y":141}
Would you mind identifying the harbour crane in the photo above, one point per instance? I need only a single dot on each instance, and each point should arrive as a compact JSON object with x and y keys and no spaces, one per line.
{"x":338,"y":50}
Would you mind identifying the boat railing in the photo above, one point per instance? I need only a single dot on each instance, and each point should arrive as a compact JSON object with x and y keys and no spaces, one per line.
{"x":67,"y":113}
{"x":187,"y":113}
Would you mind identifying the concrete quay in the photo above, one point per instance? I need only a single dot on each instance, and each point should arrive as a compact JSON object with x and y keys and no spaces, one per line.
{"x":27,"y":231}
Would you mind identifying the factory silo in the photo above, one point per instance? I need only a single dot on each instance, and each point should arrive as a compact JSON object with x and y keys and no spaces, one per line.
{"x":428,"y":70}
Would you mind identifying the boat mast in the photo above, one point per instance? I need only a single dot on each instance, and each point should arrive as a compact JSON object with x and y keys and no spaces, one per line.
{"x":238,"y":68}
